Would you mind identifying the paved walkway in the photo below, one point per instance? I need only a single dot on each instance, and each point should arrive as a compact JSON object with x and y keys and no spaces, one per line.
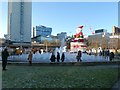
{"x":116,"y":86}
{"x":98,"y":63}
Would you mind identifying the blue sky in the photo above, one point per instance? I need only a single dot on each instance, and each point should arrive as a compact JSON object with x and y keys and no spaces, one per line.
{"x":67,"y":16}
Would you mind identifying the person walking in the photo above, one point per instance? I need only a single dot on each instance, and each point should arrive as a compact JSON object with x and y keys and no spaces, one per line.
{"x":5,"y":55}
{"x":78,"y":57}
{"x":100,"y":53}
{"x":39,"y":51}
{"x":111,"y":56}
{"x":108,"y":54}
{"x":52,"y":57}
{"x":30,"y":58}
{"x":63,"y":57}
{"x":58,"y":56}
{"x":103,"y":52}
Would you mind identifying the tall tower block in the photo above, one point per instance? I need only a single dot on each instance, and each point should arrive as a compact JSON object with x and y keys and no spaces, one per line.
{"x":19,"y":21}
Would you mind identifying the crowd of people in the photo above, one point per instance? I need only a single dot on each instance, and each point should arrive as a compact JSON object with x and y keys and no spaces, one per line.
{"x":107,"y":54}
{"x":104,"y":53}
{"x":59,"y":58}
{"x":53,"y":58}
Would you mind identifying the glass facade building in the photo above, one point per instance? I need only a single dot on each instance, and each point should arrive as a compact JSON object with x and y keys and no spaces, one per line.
{"x":43,"y":31}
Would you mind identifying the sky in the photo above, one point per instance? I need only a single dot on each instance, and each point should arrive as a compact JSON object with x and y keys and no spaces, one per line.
{"x":67,"y":16}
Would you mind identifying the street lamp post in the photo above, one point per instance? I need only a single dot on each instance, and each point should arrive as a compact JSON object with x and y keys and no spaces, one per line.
{"x":46,"y":46}
{"x":45,"y":42}
{"x":103,"y":42}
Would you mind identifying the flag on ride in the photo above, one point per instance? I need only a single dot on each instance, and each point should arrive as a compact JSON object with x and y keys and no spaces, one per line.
{"x":81,"y":27}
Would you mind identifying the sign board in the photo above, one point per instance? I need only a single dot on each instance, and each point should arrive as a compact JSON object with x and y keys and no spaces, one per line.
{"x":99,"y":31}
{"x":76,"y":46}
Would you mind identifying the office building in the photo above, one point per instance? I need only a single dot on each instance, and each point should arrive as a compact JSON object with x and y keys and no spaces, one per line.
{"x":115,"y":30}
{"x":19,"y":21}
{"x":43,"y":31}
{"x":62,"y":35}
{"x":99,"y":39}
{"x":114,"y":42}
{"x":99,"y":31}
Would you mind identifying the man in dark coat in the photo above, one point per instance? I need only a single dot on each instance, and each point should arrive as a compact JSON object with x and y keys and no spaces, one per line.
{"x":58,"y":56}
{"x":5,"y":55}
{"x":78,"y":57}
{"x":52,"y":57}
{"x":111,"y":56}
{"x":63,"y":57}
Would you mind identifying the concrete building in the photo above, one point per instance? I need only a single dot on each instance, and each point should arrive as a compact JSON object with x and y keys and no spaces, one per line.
{"x":99,"y":31}
{"x":106,"y":40}
{"x":19,"y":21}
{"x":114,"y":42}
{"x":115,"y":30}
{"x":43,"y":42}
{"x":62,"y":35}
{"x":43,"y":30}
{"x":2,"y":42}
{"x":99,"y":39}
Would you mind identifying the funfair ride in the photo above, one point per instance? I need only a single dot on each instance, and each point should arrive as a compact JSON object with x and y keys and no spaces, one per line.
{"x":78,"y":41}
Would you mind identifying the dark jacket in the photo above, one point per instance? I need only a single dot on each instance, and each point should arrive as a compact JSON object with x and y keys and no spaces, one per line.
{"x":5,"y":55}
{"x":79,"y":55}
{"x":58,"y":56}
{"x":63,"y":57}
{"x":111,"y":55}
{"x":52,"y":58}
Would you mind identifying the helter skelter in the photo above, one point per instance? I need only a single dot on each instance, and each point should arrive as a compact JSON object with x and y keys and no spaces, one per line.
{"x":78,"y":42}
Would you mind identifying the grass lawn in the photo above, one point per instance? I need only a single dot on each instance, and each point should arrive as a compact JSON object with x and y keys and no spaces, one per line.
{"x":59,"y":76}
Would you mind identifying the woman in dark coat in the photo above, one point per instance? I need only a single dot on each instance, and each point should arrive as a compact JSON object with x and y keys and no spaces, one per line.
{"x":111,"y":56}
{"x":52,"y":57}
{"x":5,"y":55}
{"x":58,"y":56}
{"x":63,"y":57}
{"x":78,"y":57}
